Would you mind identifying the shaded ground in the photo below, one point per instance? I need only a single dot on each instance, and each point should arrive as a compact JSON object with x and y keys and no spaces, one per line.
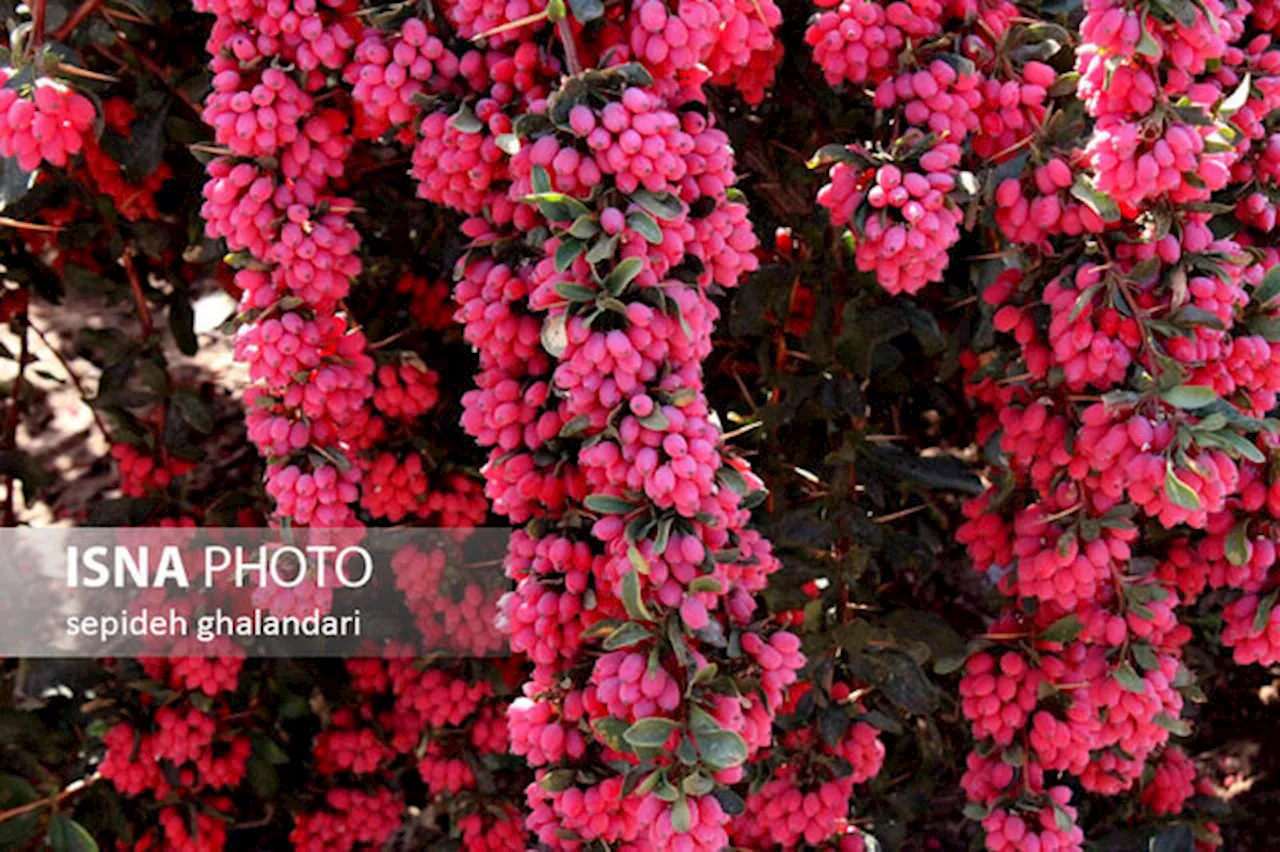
{"x":1237,"y":739}
{"x":59,"y":431}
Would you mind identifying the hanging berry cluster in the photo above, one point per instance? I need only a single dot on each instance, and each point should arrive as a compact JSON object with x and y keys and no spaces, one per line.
{"x":600,"y":210}
{"x":327,"y":410}
{"x":1132,"y":361}
{"x":273,"y":199}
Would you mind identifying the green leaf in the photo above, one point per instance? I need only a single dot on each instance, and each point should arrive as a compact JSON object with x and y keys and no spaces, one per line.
{"x":705,"y":584}
{"x":706,"y":674}
{"x":1182,"y":11}
{"x":1263,"y":616}
{"x":194,"y":410}
{"x":608,"y":504}
{"x":663,"y":205}
{"x":602,"y":249}
{"x":1145,"y":656}
{"x":1269,"y":287}
{"x":698,"y":784}
{"x":1265,"y":326}
{"x":508,"y":143}
{"x":730,"y":478}
{"x":584,"y":227}
{"x":722,"y":750}
{"x":540,"y":179}
{"x":1148,"y":46}
{"x":631,"y":599}
{"x":466,"y":121}
{"x":1063,"y":631}
{"x":1083,"y":301}
{"x":625,"y":636}
{"x":681,"y":818}
{"x":1127,"y":677}
{"x":829,"y":154}
{"x":637,"y":560}
{"x":882,"y":721}
{"x":701,"y":722}
{"x":1237,"y":543}
{"x":574,"y":292}
{"x":17,"y":832}
{"x":935,"y":472}
{"x":575,"y":427}
{"x":652,"y":732}
{"x":833,"y":724}
{"x":663,"y":536}
{"x":263,"y":777}
{"x":610,"y":732}
{"x":144,"y":150}
{"x":15,"y":182}
{"x":1099,"y":202}
{"x":1177,"y":727}
{"x":568,"y":251}
{"x":623,"y":274}
{"x":67,"y":835}
{"x":1233,"y":442}
{"x":586,"y":11}
{"x":655,"y":420}
{"x":557,"y":780}
{"x":1189,"y":396}
{"x":899,"y":677}
{"x":1178,"y":492}
{"x":730,"y":801}
{"x":646,"y":225}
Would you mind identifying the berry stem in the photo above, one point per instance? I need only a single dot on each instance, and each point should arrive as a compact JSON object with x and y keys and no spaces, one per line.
{"x":135,"y":288}
{"x":565,"y":30}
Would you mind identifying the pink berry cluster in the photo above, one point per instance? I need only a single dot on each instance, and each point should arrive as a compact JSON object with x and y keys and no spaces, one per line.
{"x":689,"y":43}
{"x":602,"y":415}
{"x":955,"y":104}
{"x":197,"y":756}
{"x":299,"y":88}
{"x":326,"y":413}
{"x":858,"y":41}
{"x":312,"y":375}
{"x":1128,"y":501}
{"x":45,"y":120}
{"x":806,"y":799}
{"x":144,"y":472}
{"x":900,"y":213}
{"x":1135,"y":470}
{"x":455,"y":610}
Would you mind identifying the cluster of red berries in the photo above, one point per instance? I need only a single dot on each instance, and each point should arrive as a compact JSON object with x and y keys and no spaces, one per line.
{"x":902,"y":218}
{"x":1136,"y":370}
{"x":45,"y":121}
{"x":549,"y":380}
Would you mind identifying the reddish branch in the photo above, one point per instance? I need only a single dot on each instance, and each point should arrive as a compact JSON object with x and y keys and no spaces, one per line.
{"x":76,"y":18}
{"x":52,"y":801}
{"x":38,"y":10}
{"x":139,"y":298}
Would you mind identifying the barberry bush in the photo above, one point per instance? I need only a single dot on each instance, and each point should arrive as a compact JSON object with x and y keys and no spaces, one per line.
{"x":878,"y":394}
